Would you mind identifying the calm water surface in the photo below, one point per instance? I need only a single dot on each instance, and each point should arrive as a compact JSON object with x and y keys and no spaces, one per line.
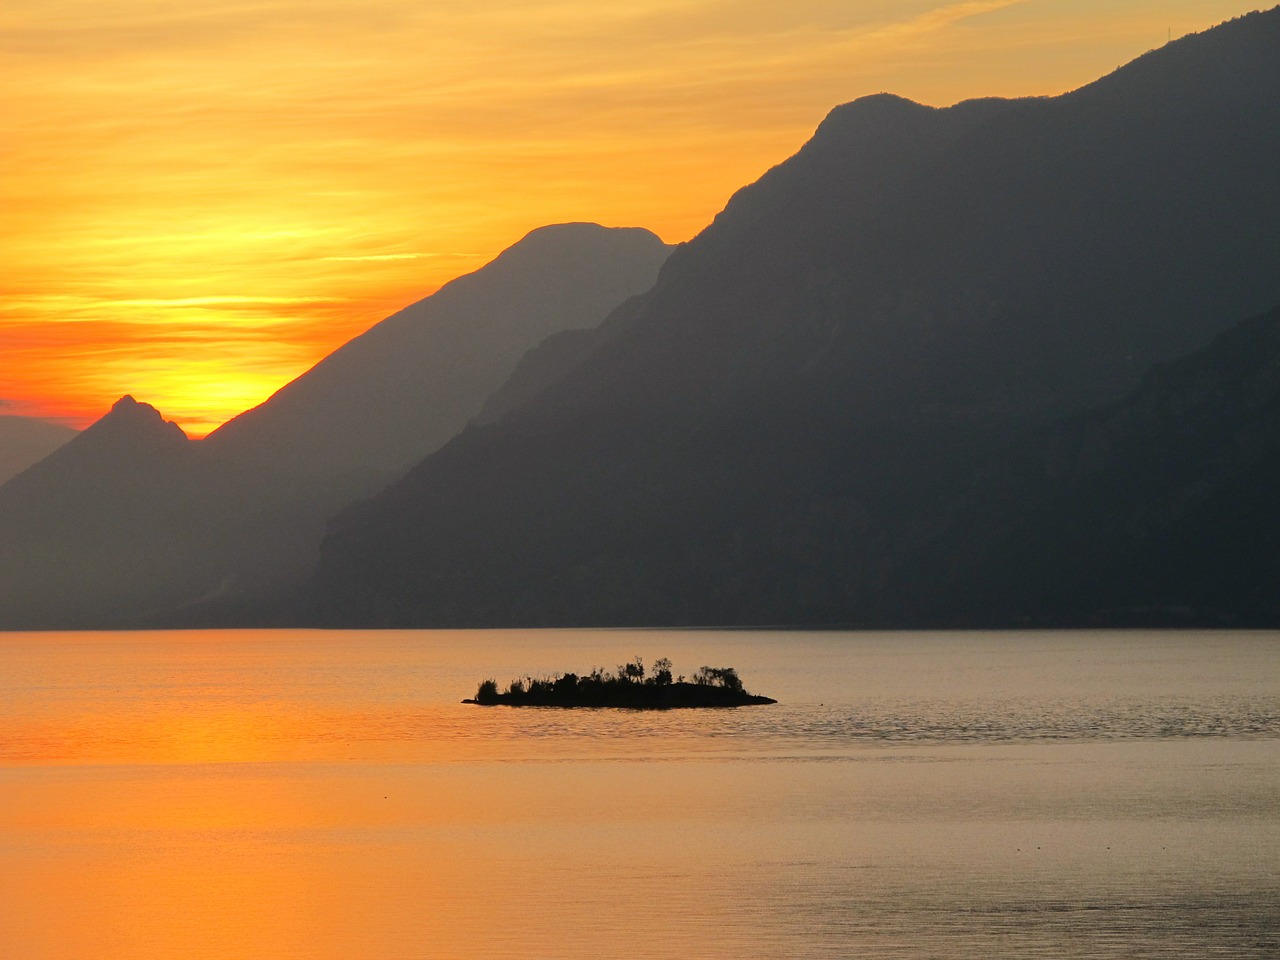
{"x":294,"y":794}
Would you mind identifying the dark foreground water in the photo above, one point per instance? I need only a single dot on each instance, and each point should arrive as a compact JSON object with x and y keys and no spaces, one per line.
{"x":282,"y":794}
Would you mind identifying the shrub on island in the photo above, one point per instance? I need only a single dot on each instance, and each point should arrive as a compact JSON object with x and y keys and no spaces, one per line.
{"x":628,"y":688}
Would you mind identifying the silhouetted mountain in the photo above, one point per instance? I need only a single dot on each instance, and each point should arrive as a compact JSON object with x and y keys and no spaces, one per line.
{"x":130,"y":433}
{"x":1160,"y":507}
{"x":133,"y":524}
{"x":538,"y":369}
{"x":28,"y":440}
{"x":88,"y":534}
{"x":381,"y":402}
{"x":551,"y":360}
{"x":796,"y":404}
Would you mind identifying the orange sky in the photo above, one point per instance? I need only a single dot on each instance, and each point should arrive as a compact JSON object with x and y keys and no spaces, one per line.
{"x":202,"y":199}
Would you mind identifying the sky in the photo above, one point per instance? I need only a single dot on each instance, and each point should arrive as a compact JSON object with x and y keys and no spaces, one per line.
{"x":198,"y":201}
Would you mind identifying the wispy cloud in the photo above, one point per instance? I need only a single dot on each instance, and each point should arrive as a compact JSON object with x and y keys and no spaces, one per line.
{"x":208,"y":197}
{"x":376,"y":257}
{"x":220,"y":301}
{"x":950,"y":13}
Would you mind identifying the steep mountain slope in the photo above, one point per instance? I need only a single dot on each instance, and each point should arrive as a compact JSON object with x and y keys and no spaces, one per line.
{"x":1160,"y":507}
{"x":27,"y":440}
{"x":382,"y":401}
{"x":133,"y":524}
{"x":88,"y":533}
{"x":791,"y":409}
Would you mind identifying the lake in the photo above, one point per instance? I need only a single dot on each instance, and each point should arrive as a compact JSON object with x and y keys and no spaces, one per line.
{"x":311,"y":794}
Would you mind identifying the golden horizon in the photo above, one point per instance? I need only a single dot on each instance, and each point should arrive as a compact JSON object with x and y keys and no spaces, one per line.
{"x":201,"y":203}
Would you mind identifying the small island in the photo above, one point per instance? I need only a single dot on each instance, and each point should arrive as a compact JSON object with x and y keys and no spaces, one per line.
{"x":628,"y":688}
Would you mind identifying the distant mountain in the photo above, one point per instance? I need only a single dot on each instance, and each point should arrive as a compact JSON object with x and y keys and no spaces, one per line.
{"x":381,"y":402}
{"x":87,"y":535}
{"x":1158,"y":508}
{"x":27,"y":440}
{"x":795,"y":406}
{"x":133,"y":524}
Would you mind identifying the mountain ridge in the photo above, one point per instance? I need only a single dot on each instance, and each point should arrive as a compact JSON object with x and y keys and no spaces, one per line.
{"x":556,"y":276}
{"x":796,"y":400}
{"x":132,"y":524}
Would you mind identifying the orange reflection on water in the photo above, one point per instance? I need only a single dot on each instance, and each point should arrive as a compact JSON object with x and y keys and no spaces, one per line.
{"x":295,"y":794}
{"x":334,"y":861}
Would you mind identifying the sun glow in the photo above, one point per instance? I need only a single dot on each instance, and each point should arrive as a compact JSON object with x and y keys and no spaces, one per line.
{"x":202,"y":200}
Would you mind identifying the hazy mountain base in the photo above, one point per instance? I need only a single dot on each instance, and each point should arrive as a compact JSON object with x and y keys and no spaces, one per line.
{"x":382,"y":401}
{"x":132,"y":524}
{"x":791,"y":414}
{"x":87,"y":535}
{"x":1160,"y":508}
{"x":25,"y":441}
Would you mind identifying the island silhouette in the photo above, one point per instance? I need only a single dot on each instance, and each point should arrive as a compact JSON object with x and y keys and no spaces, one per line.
{"x":627,"y":688}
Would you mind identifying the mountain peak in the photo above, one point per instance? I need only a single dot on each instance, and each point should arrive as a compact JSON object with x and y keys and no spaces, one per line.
{"x":127,"y":406}
{"x":402,"y":388}
{"x":874,"y":123}
{"x":583,"y":229}
{"x":554,"y":242}
{"x":136,"y":424}
{"x":874,"y":109}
